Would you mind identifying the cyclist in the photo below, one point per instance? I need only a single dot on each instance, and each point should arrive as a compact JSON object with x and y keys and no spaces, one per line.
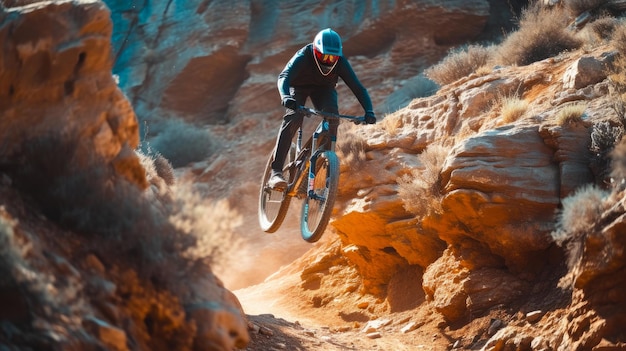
{"x":313,"y":73}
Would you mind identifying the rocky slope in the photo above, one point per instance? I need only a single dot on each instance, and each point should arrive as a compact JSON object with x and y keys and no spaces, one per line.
{"x":491,"y":250}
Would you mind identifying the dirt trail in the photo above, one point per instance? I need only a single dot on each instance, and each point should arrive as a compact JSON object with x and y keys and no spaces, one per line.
{"x":281,"y":320}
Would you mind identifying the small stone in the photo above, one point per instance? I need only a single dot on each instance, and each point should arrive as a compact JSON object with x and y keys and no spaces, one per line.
{"x":410,"y":327}
{"x":266,"y":331}
{"x":343,"y":329}
{"x":496,"y":324}
{"x":308,"y":332}
{"x":363,"y":305}
{"x":534,"y":316}
{"x":374,"y":335}
{"x":253,"y":327}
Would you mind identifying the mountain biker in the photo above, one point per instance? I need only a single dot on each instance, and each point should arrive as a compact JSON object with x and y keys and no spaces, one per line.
{"x":313,"y":73}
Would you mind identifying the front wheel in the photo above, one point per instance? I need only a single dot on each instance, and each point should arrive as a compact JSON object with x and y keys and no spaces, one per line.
{"x":273,"y":204}
{"x":318,"y":205}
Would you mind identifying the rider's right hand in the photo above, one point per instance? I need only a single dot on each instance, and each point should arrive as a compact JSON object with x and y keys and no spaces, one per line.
{"x":290,"y":103}
{"x":370,"y":118}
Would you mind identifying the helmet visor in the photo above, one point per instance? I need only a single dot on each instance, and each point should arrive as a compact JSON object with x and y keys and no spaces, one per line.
{"x":325,"y":59}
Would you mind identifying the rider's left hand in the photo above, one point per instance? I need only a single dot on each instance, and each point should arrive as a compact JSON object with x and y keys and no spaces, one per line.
{"x":370,"y":118}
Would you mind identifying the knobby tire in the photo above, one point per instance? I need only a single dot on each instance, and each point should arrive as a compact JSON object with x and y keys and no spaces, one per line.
{"x":273,"y":204}
{"x":316,"y":213}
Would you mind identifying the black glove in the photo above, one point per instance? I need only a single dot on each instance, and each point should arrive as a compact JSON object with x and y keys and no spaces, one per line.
{"x":290,"y":103}
{"x":370,"y":118}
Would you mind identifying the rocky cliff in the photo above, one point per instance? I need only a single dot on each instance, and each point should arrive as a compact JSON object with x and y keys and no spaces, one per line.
{"x":88,"y":259}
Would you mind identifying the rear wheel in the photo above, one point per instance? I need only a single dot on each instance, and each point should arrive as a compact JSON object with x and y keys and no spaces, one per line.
{"x":273,"y":203}
{"x":318,"y":207}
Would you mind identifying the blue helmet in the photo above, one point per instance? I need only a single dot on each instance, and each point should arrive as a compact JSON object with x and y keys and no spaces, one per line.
{"x":328,"y":42}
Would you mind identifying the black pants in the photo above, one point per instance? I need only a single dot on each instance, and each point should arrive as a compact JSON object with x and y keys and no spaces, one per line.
{"x":323,"y":99}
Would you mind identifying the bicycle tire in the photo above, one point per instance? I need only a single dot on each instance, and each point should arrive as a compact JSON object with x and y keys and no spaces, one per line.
{"x":273,"y":204}
{"x":316,"y":212}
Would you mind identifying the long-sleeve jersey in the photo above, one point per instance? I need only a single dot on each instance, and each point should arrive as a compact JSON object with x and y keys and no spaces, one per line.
{"x":302,"y":71}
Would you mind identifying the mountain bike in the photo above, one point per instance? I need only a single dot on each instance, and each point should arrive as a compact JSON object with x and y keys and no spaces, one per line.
{"x":312,"y":174}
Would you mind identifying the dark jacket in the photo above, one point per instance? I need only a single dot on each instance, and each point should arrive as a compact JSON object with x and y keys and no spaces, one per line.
{"x":302,"y":71}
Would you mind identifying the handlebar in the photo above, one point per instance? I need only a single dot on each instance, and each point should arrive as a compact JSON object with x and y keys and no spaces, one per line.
{"x":309,"y":112}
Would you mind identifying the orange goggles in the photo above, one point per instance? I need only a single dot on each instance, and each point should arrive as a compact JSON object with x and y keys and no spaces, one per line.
{"x":325,"y":58}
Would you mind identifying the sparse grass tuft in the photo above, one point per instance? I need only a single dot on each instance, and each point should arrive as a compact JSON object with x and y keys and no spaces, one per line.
{"x":459,"y":64}
{"x":420,"y":190}
{"x":571,"y":113}
{"x":351,"y":147}
{"x":392,"y":122}
{"x":542,"y":34}
{"x":512,"y":108}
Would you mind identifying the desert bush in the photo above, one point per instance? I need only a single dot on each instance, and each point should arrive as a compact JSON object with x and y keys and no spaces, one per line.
{"x":159,"y":171}
{"x":604,"y":137}
{"x":420,"y":190}
{"x":512,"y":108}
{"x":618,"y":39}
{"x":181,"y":143}
{"x":164,"y":169}
{"x":459,"y":63}
{"x":580,"y":212}
{"x":617,"y":71}
{"x":571,"y":113}
{"x":618,"y":164}
{"x":351,"y":147}
{"x":603,"y":28}
{"x":576,"y":7}
{"x":542,"y":34}
{"x":211,"y":223}
{"x":111,"y":213}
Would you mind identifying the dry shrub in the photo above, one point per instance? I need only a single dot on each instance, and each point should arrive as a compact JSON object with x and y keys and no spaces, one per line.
{"x":512,"y":108}
{"x":159,"y":171}
{"x":580,"y":211}
{"x":618,"y":164}
{"x":115,"y":216}
{"x":618,"y":39}
{"x":579,"y":214}
{"x":571,"y":113}
{"x":420,"y":190}
{"x":604,"y":137}
{"x":181,"y":143}
{"x":617,"y":72}
{"x":459,"y":64}
{"x":350,"y":147}
{"x":392,"y":123}
{"x":542,"y":33}
{"x":212,"y":223}
{"x":603,"y":28}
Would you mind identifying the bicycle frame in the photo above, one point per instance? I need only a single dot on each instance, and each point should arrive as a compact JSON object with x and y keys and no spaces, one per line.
{"x":309,"y":165}
{"x":313,"y":177}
